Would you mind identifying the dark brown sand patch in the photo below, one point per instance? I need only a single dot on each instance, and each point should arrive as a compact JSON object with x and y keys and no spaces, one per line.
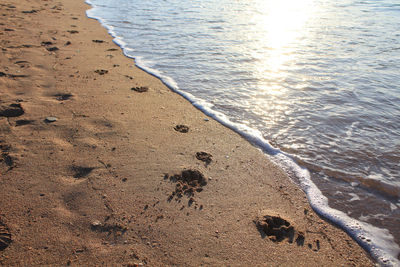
{"x":81,"y":171}
{"x":63,"y":96}
{"x":52,"y":49}
{"x":112,"y":229}
{"x":5,"y":236}
{"x":115,"y":228}
{"x":30,"y":11}
{"x":23,"y":122}
{"x":7,"y":159}
{"x":46,"y":43}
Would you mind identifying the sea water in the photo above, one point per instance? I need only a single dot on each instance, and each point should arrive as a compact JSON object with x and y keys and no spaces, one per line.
{"x":314,"y":83}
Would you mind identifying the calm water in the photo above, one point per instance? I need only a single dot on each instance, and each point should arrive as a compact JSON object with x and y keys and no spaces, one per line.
{"x":318,"y":79}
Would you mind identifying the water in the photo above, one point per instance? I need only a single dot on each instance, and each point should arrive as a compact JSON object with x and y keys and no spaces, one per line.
{"x":318,"y":79}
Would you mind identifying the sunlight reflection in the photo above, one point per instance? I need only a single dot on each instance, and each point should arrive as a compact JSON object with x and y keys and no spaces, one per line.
{"x":279,"y":25}
{"x":284,"y":20}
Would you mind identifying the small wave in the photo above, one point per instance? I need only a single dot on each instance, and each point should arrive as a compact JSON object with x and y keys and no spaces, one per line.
{"x":386,"y":190}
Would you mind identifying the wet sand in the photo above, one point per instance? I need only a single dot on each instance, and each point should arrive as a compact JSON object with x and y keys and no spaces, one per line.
{"x":101,"y":164}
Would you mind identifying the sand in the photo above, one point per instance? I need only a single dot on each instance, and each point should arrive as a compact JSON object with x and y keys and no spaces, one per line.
{"x":101,"y":164}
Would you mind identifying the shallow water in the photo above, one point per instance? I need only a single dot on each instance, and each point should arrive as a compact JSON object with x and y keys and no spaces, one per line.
{"x":318,"y":79}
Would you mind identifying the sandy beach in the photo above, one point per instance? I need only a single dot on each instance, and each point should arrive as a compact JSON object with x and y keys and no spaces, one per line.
{"x":102,"y":164}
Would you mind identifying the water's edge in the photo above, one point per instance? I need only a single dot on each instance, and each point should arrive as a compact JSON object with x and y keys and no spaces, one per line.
{"x":378,"y":242}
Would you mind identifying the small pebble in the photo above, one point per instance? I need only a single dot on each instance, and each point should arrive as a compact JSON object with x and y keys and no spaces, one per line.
{"x":51,"y":119}
{"x":96,"y":223}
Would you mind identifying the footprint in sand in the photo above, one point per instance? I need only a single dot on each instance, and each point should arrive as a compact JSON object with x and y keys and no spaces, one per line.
{"x":81,"y":171}
{"x":187,"y":183}
{"x":181,"y":128}
{"x":12,"y":110}
{"x":277,"y":228}
{"x":204,"y":156}
{"x":101,"y":72}
{"x":140,"y":89}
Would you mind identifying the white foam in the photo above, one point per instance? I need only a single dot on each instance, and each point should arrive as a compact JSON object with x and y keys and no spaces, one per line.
{"x":378,"y":242}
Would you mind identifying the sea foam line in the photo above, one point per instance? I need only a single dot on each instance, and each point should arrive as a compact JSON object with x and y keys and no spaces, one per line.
{"x":378,"y":242}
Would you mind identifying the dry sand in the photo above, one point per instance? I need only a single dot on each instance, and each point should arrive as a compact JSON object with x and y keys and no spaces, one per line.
{"x":115,"y":180}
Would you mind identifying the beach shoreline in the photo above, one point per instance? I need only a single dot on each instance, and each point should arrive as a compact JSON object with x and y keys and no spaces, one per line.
{"x":103,"y":164}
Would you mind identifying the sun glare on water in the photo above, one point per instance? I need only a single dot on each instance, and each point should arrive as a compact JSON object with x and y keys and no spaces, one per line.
{"x":279,"y":26}
{"x":283,"y":20}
